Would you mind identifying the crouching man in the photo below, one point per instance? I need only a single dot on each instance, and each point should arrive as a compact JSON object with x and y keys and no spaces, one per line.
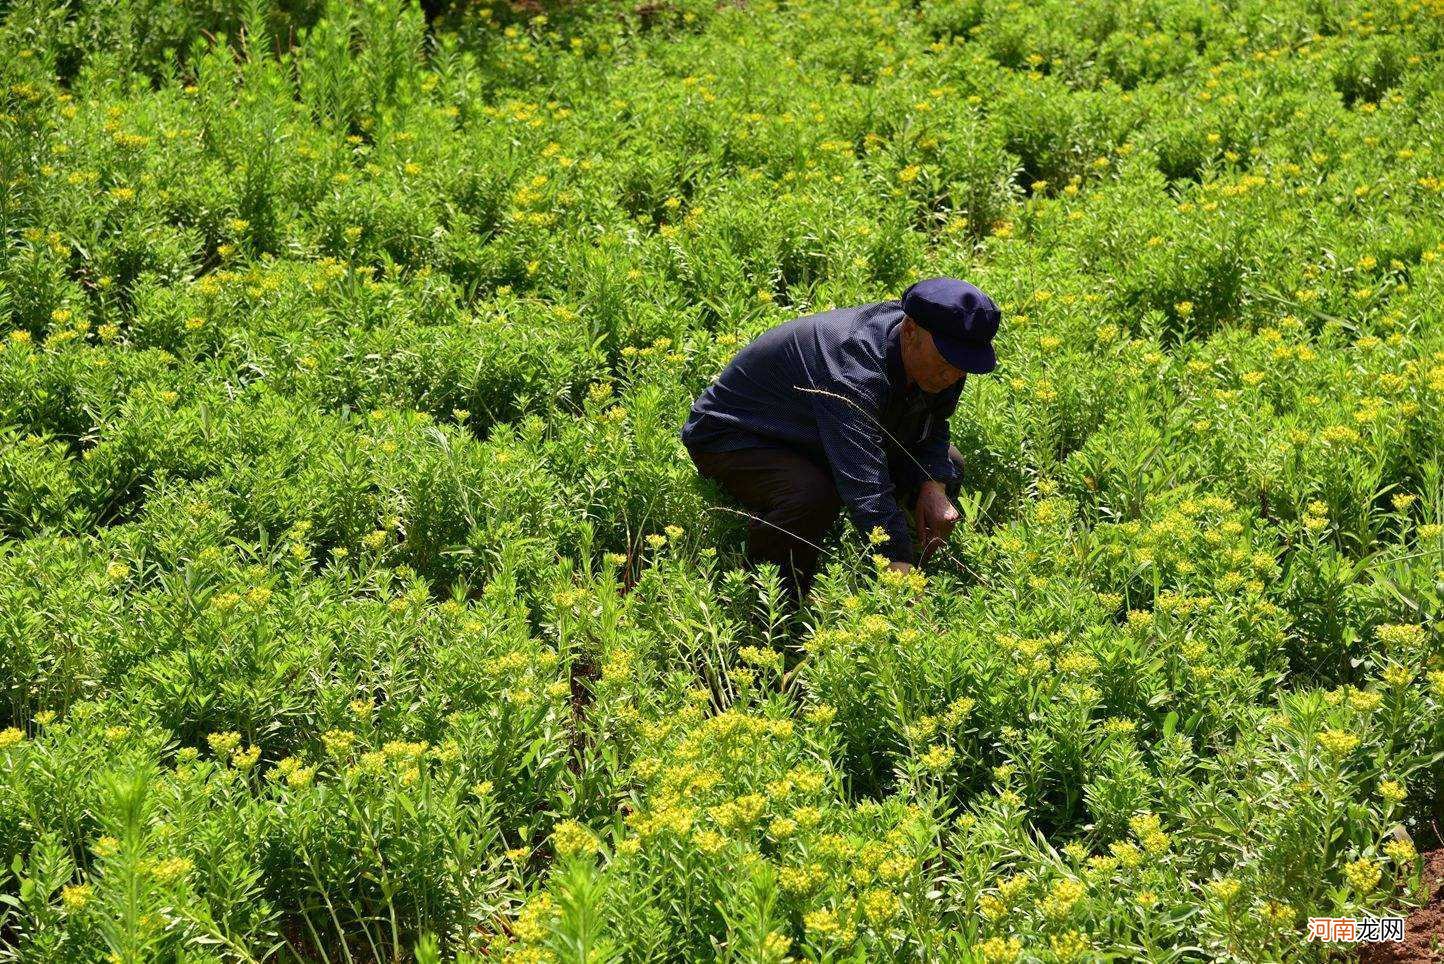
{"x":849,"y":407}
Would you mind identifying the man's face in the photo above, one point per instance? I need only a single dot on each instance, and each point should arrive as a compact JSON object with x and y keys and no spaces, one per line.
{"x":923,"y":362}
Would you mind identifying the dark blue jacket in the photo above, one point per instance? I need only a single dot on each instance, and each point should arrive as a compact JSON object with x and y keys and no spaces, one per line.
{"x":782,"y":390}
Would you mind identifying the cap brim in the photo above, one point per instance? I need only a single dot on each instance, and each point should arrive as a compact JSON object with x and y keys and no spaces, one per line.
{"x":976,"y":358}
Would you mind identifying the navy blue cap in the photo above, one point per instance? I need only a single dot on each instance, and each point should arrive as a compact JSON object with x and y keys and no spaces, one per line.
{"x":961,"y":318}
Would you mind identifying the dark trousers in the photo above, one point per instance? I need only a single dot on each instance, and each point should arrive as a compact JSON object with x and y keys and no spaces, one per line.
{"x":792,"y":501}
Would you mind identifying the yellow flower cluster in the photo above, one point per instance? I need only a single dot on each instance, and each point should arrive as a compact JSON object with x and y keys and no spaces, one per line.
{"x":1363,"y":874}
{"x":168,"y":870}
{"x":1062,"y":896}
{"x":1000,"y":950}
{"x":291,"y":770}
{"x":826,"y":925}
{"x":533,"y":923}
{"x":740,"y":813}
{"x":1070,"y":945}
{"x":769,"y":659}
{"x":1148,"y":828}
{"x":801,"y":881}
{"x":572,"y":839}
{"x":1225,"y":889}
{"x":1400,"y":851}
{"x":74,"y":897}
{"x":1338,"y":743}
{"x":1395,"y":636}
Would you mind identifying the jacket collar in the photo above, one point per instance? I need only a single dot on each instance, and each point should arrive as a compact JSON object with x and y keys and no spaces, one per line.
{"x":896,"y":373}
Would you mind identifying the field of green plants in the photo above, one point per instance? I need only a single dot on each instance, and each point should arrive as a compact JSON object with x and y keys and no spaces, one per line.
{"x":359,"y":602}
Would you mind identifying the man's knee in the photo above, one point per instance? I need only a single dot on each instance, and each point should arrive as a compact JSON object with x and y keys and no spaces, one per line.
{"x":807,"y":505}
{"x":787,"y":494}
{"x":812,"y":502}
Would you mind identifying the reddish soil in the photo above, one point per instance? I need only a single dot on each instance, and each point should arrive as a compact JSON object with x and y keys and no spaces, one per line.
{"x":1423,"y":929}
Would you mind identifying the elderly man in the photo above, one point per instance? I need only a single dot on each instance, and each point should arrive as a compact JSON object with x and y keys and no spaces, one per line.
{"x":847,"y":407}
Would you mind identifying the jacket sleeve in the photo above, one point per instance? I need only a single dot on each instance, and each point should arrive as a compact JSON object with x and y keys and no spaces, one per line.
{"x":852,"y":440}
{"x":932,"y":451}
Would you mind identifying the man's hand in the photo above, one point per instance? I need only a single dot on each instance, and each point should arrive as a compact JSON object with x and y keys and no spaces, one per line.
{"x":899,"y":565}
{"x":935,"y":516}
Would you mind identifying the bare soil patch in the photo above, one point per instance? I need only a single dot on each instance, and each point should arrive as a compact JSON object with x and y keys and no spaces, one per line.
{"x":1423,"y":929}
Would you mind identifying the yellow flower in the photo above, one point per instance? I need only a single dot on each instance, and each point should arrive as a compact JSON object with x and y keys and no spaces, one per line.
{"x":1062,"y":896}
{"x":1400,"y":851}
{"x":532,"y":924}
{"x":222,"y":744}
{"x":171,"y":869}
{"x":937,"y":758}
{"x":1010,"y":888}
{"x":1225,"y":888}
{"x":765,"y":658}
{"x":75,"y":896}
{"x":300,"y":777}
{"x":245,"y":757}
{"x":1277,"y":913}
{"x":880,"y":906}
{"x":1365,"y":701}
{"x":1154,"y":840}
{"x":998,"y":950}
{"x":1362,"y":874}
{"x":9,"y":737}
{"x":822,"y":714}
{"x":821,"y":922}
{"x":1070,"y":945}
{"x":1127,"y":853}
{"x":1397,"y":675}
{"x":570,"y":838}
{"x":710,"y":842}
{"x":1392,"y":791}
{"x":338,"y":742}
{"x":1339,"y":743}
{"x":775,"y":947}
